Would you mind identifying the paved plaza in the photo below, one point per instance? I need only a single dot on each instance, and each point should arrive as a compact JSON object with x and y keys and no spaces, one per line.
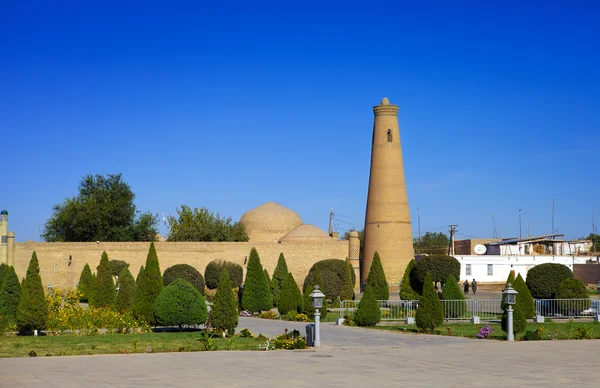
{"x":349,"y":357}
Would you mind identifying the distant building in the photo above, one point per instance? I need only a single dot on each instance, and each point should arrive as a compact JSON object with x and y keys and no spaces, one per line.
{"x":551,"y":244}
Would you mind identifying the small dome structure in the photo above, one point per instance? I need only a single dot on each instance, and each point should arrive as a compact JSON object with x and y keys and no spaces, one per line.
{"x":4,"y":213}
{"x":269,"y":222}
{"x":305,"y":232}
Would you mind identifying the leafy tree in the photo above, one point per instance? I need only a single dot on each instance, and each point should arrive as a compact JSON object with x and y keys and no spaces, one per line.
{"x":212,"y":273}
{"x":361,"y":238}
{"x":406,"y":290}
{"x":149,"y":287}
{"x":279,"y":276}
{"x":376,"y":278}
{"x":543,"y":279}
{"x":290,"y":298}
{"x":105,"y":295}
{"x":454,"y":295}
{"x":439,"y":267}
{"x":3,"y":272}
{"x":103,"y":211}
{"x":347,"y":287}
{"x":430,"y":313}
{"x":204,"y":225}
{"x":180,"y":304}
{"x":595,"y":239}
{"x":139,"y":276}
{"x":368,"y":312}
{"x":32,"y":312}
{"x":257,"y":295}
{"x":332,"y":277}
{"x":116,"y":266}
{"x":186,"y":272}
{"x":10,"y":293}
{"x":267,"y":277}
{"x":224,"y":314}
{"x":524,"y":297}
{"x":87,"y":284}
{"x":432,"y":244}
{"x":126,"y":284}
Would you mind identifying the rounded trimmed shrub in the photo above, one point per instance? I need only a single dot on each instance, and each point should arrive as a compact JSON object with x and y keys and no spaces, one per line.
{"x":290,"y":298}
{"x":368,"y":312}
{"x":212,"y":273}
{"x":407,"y":292}
{"x":180,"y":303}
{"x":543,"y":280}
{"x":224,"y":314}
{"x":430,"y":313}
{"x":438,"y":266}
{"x":185,"y":272}
{"x":332,"y":275}
{"x":573,"y":289}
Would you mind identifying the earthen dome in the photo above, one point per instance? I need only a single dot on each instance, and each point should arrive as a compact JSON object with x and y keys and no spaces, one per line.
{"x":305,"y":232}
{"x":269,"y":222}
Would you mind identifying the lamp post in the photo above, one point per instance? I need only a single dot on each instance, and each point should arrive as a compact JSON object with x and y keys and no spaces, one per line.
{"x":509,"y":295}
{"x":317,"y":302}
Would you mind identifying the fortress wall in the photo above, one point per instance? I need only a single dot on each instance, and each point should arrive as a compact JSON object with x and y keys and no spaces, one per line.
{"x":55,"y":268}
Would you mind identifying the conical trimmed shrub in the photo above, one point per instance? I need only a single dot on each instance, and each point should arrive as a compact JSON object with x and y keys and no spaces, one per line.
{"x":86,"y":285}
{"x":454,"y":298}
{"x":368,"y":312}
{"x":149,"y":287}
{"x":126,"y":292}
{"x":224,"y":313}
{"x":138,"y":278}
{"x":10,"y":293}
{"x":430,"y":313}
{"x":509,"y":280}
{"x":347,"y":286}
{"x":257,"y":295}
{"x":32,"y":312}
{"x":407,"y":292}
{"x":268,"y":278}
{"x":290,"y":298}
{"x":105,"y":295}
{"x":3,"y":272}
{"x":519,"y":321}
{"x":524,"y":298}
{"x":376,"y":278}
{"x":180,"y":303}
{"x":279,"y":276}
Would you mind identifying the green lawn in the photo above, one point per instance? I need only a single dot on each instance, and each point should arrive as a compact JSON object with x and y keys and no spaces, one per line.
{"x":71,"y":345}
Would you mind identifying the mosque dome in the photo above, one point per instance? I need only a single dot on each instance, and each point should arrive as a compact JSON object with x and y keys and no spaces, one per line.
{"x":4,"y":213}
{"x":269,"y":222}
{"x":305,"y":232}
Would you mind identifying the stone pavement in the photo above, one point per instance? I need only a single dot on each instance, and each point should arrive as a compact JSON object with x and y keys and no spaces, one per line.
{"x":349,"y":357}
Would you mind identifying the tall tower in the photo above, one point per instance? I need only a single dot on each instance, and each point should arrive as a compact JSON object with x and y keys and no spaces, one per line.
{"x":387,"y":222}
{"x":4,"y":237}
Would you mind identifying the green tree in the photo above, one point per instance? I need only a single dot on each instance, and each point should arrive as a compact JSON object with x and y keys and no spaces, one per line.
{"x":224,"y":314}
{"x":432,"y":244}
{"x":257,"y":295}
{"x":376,"y":278}
{"x":267,"y":277}
{"x":430,"y":313}
{"x":524,"y":297}
{"x":180,"y":304}
{"x":543,"y":280}
{"x":279,"y":275}
{"x":347,"y":287}
{"x":116,"y":266}
{"x":438,"y":266}
{"x":212,"y":273}
{"x":290,"y":298}
{"x":104,"y":210}
{"x":186,"y":272}
{"x":331,"y":275}
{"x":139,"y":276}
{"x":572,"y":289}
{"x":204,"y":225}
{"x":454,"y":295}
{"x":86,"y":285}
{"x":125,"y":296}
{"x":105,"y":295}
{"x":32,"y":312}
{"x":595,"y":239}
{"x":406,"y":290}
{"x":10,"y":293}
{"x":149,"y":288}
{"x":3,"y":272}
{"x":368,"y":312}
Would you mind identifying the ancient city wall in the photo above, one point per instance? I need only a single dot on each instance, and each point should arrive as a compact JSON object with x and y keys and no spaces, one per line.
{"x":55,"y":268}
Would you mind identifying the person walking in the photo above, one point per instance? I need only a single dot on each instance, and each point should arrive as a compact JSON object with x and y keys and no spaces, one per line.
{"x":466,"y":287}
{"x":474,"y":286}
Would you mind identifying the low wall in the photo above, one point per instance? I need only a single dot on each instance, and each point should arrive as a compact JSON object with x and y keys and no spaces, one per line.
{"x":61,"y":263}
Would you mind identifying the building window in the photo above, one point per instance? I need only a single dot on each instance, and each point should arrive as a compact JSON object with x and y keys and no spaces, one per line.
{"x":490,"y":270}
{"x":389,"y":135}
{"x":468,"y":270}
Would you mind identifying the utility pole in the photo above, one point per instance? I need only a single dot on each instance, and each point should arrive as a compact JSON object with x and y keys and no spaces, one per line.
{"x":330,"y":222}
{"x":494,"y":221}
{"x":419,"y":222}
{"x":593,"y":232}
{"x":553,"y":217}
{"x":451,"y":247}
{"x":520,"y":232}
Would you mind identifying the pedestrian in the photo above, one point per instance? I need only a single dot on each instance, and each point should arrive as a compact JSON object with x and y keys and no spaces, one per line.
{"x":439,"y":294}
{"x":474,"y":286}
{"x":466,"y":287}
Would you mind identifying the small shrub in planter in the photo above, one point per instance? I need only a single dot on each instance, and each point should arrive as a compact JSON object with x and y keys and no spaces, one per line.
{"x":185,"y":272}
{"x":180,"y":304}
{"x":543,"y":280}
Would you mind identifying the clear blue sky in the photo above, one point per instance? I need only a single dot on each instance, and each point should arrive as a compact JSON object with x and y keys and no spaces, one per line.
{"x":230,"y":106}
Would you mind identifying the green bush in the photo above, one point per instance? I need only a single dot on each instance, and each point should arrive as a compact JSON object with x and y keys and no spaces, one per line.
{"x":279,"y":275}
{"x":116,"y":266}
{"x":524,"y":297}
{"x":290,"y":298}
{"x":212,"y":273}
{"x":3,"y":271}
{"x":543,"y":279}
{"x":224,"y":314}
{"x":87,"y":284}
{"x":268,"y":278}
{"x":430,"y":313}
{"x":406,"y":290}
{"x":332,"y":273}
{"x":307,"y":307}
{"x":185,"y":272}
{"x":452,"y":292}
{"x":519,"y":320}
{"x":376,"y":278}
{"x":105,"y":295}
{"x":125,"y":296}
{"x":10,"y":293}
{"x":32,"y":312}
{"x":572,"y":289}
{"x":347,"y":286}
{"x":438,"y":266}
{"x":139,"y":276}
{"x":368,"y":312}
{"x":148,"y":288}
{"x":180,"y":304}
{"x":257,"y":296}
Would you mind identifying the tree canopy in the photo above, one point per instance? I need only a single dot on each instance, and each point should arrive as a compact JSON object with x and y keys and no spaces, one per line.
{"x":102,"y":211}
{"x":204,"y":225}
{"x":432,"y":244}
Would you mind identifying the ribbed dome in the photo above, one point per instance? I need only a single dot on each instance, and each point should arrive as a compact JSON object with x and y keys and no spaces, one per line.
{"x":269,"y":222}
{"x":305,"y":232}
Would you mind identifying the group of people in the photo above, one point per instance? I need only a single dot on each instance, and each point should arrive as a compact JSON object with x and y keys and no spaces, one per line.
{"x":473,"y":286}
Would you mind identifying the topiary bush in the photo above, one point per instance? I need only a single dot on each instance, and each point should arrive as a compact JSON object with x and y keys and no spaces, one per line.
{"x":453,"y":295}
{"x":267,"y":277}
{"x":116,"y":266}
{"x":279,"y":275}
{"x":32,"y":312}
{"x":3,"y":271}
{"x":347,"y":292}
{"x":139,"y":276}
{"x":212,"y":273}
{"x":10,"y":293}
{"x":257,"y":295}
{"x":87,"y":284}
{"x":406,"y":290}
{"x":332,"y":275}
{"x":290,"y":298}
{"x":543,"y":279}
{"x":430,"y":313}
{"x":125,"y":296}
{"x":524,"y":297}
{"x":573,"y":289}
{"x":224,"y":313}
{"x":105,"y":294}
{"x":368,"y":312}
{"x":376,"y":278}
{"x":148,"y":288}
{"x":185,"y":272}
{"x":180,"y":303}
{"x":438,"y":266}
